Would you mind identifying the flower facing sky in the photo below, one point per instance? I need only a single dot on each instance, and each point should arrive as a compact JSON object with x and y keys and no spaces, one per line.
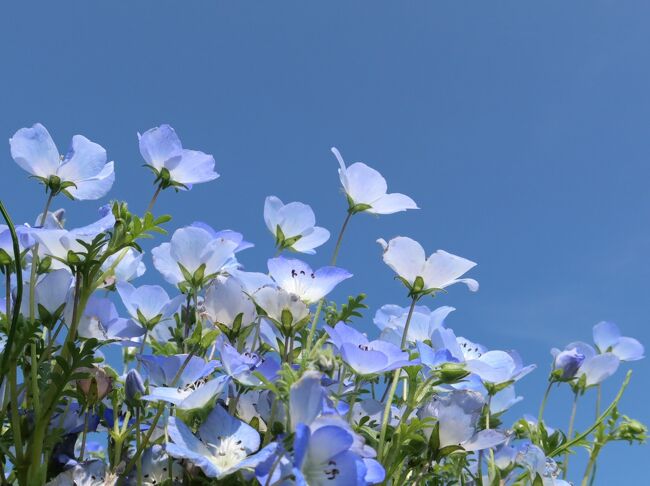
{"x":407,"y":258}
{"x":173,"y":165}
{"x":190,"y":248}
{"x":298,"y":278}
{"x":148,"y":302}
{"x":223,"y":445}
{"x":366,"y":189}
{"x":83,"y":173}
{"x":293,"y":225}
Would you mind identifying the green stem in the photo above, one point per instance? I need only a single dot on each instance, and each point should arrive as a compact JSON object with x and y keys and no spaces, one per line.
{"x":393,"y":386}
{"x":153,"y":199}
{"x":319,"y":308}
{"x":598,"y":421}
{"x":540,"y":415}
{"x":574,"y":408}
{"x":138,"y":440}
{"x":84,"y":435}
{"x":591,"y":464}
{"x":154,"y":423}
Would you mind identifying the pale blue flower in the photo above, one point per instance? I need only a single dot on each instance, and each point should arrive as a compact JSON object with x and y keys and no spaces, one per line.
{"x":125,"y":266}
{"x":101,"y":321}
{"x":568,"y":361}
{"x":298,"y":278}
{"x":225,"y":302}
{"x":148,"y":302}
{"x":607,"y":337}
{"x":293,"y":225}
{"x":277,"y":302}
{"x":84,"y":167}
{"x":366,"y":189}
{"x":458,"y":414}
{"x":175,"y":166}
{"x":391,"y":320}
{"x":227,"y":234}
{"x":195,"y":388}
{"x":223,"y":445}
{"x":440,"y":270}
{"x":155,"y":468}
{"x":51,"y":292}
{"x":242,"y":366}
{"x":192,"y":247}
{"x":363,"y":356}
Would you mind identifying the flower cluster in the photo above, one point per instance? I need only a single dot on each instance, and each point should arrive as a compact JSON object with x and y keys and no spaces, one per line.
{"x":228,"y":376}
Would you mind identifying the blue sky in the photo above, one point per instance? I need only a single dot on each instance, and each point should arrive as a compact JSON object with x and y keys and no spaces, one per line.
{"x":521,"y":129}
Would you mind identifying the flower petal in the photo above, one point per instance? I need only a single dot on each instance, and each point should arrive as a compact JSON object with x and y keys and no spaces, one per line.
{"x":34,"y":151}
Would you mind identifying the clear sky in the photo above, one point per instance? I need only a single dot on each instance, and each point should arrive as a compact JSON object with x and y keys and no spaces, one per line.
{"x":520,"y":127}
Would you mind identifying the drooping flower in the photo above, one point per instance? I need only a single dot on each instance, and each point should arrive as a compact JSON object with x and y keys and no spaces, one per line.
{"x":366,"y":190}
{"x":223,"y":446}
{"x":101,"y":321}
{"x":148,"y":304}
{"x":421,"y":274}
{"x":298,"y":278}
{"x":173,"y":165}
{"x":366,"y":357}
{"x":191,"y":248}
{"x":83,"y":173}
{"x":391,"y":320}
{"x":293,"y":225}
{"x":458,"y":413}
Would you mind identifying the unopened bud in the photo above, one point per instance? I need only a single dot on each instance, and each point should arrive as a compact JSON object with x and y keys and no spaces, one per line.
{"x":134,"y":386}
{"x":96,"y":386}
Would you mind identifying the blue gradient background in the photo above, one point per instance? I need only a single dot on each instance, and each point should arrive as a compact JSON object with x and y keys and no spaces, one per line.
{"x":521,"y":129}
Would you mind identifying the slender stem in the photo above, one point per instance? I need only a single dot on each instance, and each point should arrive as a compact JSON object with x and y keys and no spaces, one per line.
{"x":540,"y":415}
{"x":144,"y":341}
{"x":353,"y":399}
{"x":319,"y":308}
{"x":154,"y":422}
{"x":591,"y":464}
{"x":599,"y":392}
{"x":7,"y":292}
{"x":565,"y":465}
{"x":138,"y":440}
{"x":84,"y":435}
{"x":393,"y":386}
{"x":153,"y":199}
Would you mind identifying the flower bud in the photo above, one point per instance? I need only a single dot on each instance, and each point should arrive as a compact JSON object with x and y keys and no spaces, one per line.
{"x":96,"y":386}
{"x":452,"y":372}
{"x":567,"y":363}
{"x":133,"y":386}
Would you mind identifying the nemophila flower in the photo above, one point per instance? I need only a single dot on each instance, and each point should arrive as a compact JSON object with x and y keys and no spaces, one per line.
{"x":363,"y":356}
{"x":148,"y":304}
{"x":89,"y":473}
{"x":133,"y":386}
{"x":457,"y":414}
{"x":56,"y":243}
{"x":194,"y":389}
{"x":83,"y":173}
{"x":227,"y":234}
{"x":502,"y":400}
{"x":298,"y":278}
{"x":242,"y":366}
{"x":284,"y":309}
{"x":391,"y":320}
{"x":173,"y":165}
{"x":101,"y":321}
{"x":155,"y":469}
{"x":421,"y":274}
{"x":124,"y":265}
{"x":608,"y":338}
{"x":25,"y":241}
{"x":366,"y":190}
{"x":53,"y":220}
{"x":51,"y":292}
{"x":293,"y":226}
{"x":223,"y":445}
{"x":533,"y":459}
{"x":567,"y":362}
{"x":190,"y":249}
{"x":227,"y":304}
{"x":306,"y":398}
